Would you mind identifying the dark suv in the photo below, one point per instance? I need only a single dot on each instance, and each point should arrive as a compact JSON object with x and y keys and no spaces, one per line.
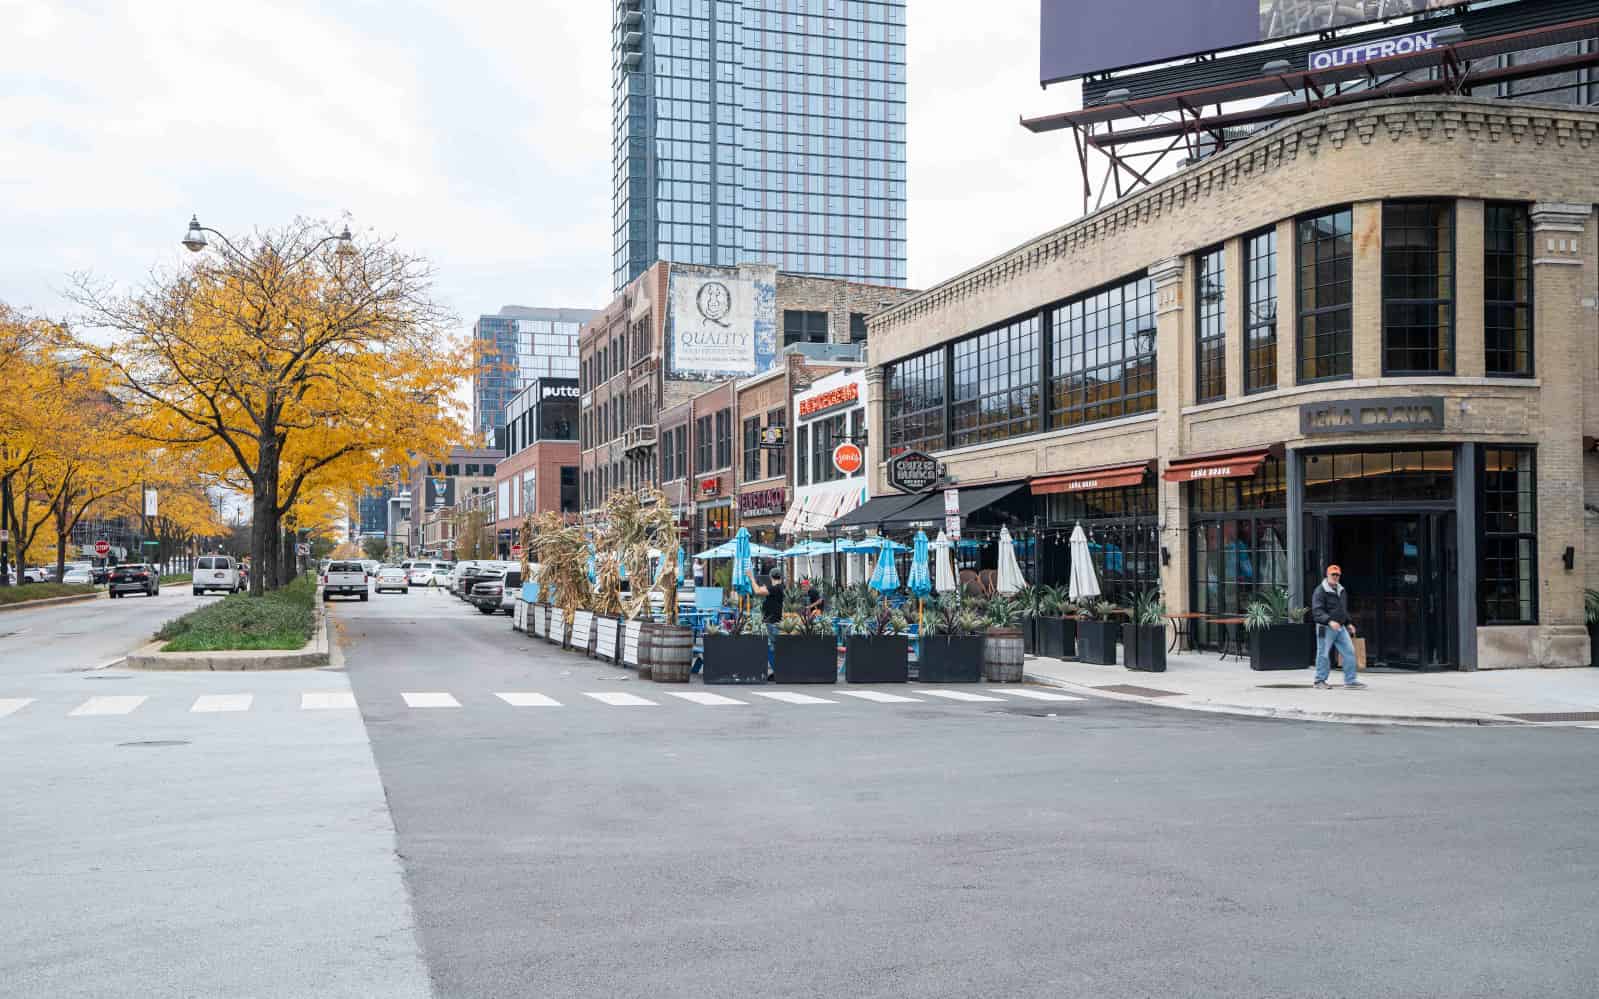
{"x":135,"y":578}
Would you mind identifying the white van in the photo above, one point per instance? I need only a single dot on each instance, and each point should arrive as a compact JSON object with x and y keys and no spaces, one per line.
{"x":216,"y":572}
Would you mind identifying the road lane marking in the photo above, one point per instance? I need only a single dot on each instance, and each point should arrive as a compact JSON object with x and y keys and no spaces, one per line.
{"x":1039,"y":695}
{"x":326,"y":700}
{"x":620,"y":700}
{"x":959,"y":695}
{"x":108,"y":704}
{"x":222,"y":702}
{"x":516,"y":700}
{"x":880,"y":697}
{"x":429,"y":699}
{"x":699,"y":698}
{"x":789,"y":697}
{"x":11,"y":705}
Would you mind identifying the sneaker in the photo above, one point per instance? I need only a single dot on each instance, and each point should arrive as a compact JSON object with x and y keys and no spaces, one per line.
{"x":1357,"y":685}
{"x":1320,"y":685}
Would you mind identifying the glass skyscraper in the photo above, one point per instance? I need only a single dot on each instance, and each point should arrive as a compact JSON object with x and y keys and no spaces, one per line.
{"x":768,"y":131}
{"x":511,"y":349}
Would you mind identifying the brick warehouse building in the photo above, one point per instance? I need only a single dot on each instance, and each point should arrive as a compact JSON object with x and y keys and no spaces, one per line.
{"x":1367,"y":335}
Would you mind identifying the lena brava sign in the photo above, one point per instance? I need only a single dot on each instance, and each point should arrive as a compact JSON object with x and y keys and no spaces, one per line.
{"x":1359,"y":416}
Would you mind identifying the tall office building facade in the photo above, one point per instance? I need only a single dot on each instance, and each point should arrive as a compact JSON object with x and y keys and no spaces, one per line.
{"x":510,"y":350}
{"x":760,"y":131}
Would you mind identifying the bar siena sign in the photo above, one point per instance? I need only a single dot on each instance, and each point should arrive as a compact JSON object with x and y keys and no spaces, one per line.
{"x":1365,"y":416}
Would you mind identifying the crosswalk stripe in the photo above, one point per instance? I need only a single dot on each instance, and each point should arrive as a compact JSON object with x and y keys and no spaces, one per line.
{"x":1039,"y":695}
{"x":789,"y":697}
{"x":524,"y":700}
{"x":959,"y":695}
{"x":326,"y":700}
{"x":11,"y":705}
{"x":223,"y":702}
{"x":699,"y":698}
{"x":429,"y":699}
{"x":880,"y":697}
{"x":619,"y":699}
{"x":108,"y":704}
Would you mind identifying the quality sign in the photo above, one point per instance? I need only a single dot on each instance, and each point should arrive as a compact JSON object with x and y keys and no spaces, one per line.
{"x":1380,"y":48}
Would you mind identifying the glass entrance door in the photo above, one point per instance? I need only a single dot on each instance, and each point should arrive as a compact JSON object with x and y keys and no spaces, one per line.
{"x":1397,"y":575}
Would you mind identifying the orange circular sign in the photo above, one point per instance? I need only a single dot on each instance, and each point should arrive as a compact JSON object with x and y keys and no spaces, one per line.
{"x":847,"y":458}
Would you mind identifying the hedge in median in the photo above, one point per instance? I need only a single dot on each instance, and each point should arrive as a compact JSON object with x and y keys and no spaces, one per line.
{"x":279,"y":619}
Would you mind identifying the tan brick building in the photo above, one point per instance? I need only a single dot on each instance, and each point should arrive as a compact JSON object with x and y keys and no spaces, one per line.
{"x":1367,"y":336}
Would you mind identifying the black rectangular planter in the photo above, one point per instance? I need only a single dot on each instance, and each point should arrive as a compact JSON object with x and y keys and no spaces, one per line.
{"x":1144,"y":647}
{"x":1030,"y":636}
{"x":735,"y":659}
{"x":951,"y":660}
{"x":1283,"y":646}
{"x":1593,"y":645}
{"x":1057,"y":637}
{"x":806,"y":659}
{"x":877,"y":660}
{"x":1096,"y":642}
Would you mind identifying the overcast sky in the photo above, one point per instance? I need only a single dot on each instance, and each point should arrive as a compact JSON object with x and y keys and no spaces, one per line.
{"x":475,"y":132}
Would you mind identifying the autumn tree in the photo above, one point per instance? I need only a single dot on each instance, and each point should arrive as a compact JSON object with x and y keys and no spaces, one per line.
{"x":288,"y":355}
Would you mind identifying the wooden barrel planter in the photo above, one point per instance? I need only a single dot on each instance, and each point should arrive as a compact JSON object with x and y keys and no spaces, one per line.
{"x":667,"y":651}
{"x":1002,"y":656}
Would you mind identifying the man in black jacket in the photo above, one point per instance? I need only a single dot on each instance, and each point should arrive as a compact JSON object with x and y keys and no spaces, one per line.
{"x":1329,"y":608}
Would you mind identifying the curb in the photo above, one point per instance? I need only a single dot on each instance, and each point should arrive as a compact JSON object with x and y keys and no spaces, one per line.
{"x":312,"y":655}
{"x":51,"y":602}
{"x":1287,"y":714}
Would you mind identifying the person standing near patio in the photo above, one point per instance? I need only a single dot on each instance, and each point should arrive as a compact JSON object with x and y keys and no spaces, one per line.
{"x":1329,"y":608}
{"x":771,"y":609}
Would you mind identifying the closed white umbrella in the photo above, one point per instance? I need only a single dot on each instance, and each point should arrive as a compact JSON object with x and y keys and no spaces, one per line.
{"x":945,"y":578}
{"x":1084,"y":584}
{"x":1010,"y":579}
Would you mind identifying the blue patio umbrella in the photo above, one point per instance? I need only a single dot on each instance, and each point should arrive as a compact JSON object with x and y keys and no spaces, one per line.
{"x":743,"y":568}
{"x":920,"y":581}
{"x":682,"y":565}
{"x":885,"y":578}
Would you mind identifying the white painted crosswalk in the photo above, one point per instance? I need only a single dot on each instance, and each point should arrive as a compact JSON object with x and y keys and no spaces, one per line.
{"x":12,"y":708}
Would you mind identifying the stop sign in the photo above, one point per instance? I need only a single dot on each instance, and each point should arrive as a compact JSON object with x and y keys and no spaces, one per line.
{"x":102,"y":547}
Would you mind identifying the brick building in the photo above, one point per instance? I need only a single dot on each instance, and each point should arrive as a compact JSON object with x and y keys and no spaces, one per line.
{"x":438,"y":488}
{"x":540,"y":468}
{"x":1365,"y":336}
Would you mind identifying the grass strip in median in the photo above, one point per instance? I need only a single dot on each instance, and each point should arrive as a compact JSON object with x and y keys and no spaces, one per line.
{"x":281,"y":619}
{"x":42,"y":591}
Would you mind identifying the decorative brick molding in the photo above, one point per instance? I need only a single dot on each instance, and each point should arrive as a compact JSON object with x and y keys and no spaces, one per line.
{"x":1558,"y":229}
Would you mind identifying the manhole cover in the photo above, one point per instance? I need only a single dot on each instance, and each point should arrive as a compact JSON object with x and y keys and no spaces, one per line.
{"x":1558,"y":716}
{"x":156,"y":742}
{"x":1136,"y":691}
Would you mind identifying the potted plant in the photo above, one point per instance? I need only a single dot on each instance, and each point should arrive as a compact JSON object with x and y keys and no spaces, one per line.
{"x":1590,"y":609}
{"x":952,"y":645}
{"x":805,"y":650}
{"x":1056,"y":624}
{"x":1280,"y":637}
{"x":877,"y":650}
{"x":1144,"y":637}
{"x":1029,"y":605}
{"x":735,"y":650}
{"x":1002,"y":643}
{"x":1097,"y":632}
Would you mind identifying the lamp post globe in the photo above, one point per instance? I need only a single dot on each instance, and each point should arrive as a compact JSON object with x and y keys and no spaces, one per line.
{"x":194,"y":239}
{"x":346,"y":244}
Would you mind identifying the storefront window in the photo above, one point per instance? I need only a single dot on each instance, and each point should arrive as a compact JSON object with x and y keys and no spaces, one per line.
{"x":702,"y":445}
{"x":996,"y":384}
{"x":774,"y":456}
{"x":1260,"y":311}
{"x":1240,"y":543}
{"x":1507,"y":574}
{"x":915,"y":388}
{"x":1123,"y":541}
{"x":1104,"y":355}
{"x":752,"y":449}
{"x":1380,"y":477}
{"x":1507,"y":290}
{"x":716,"y":524}
{"x":1418,"y":287}
{"x":1326,"y":288}
{"x":1210,"y":323}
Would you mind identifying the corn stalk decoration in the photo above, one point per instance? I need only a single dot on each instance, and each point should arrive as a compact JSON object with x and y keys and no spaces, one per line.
{"x":563,"y":562}
{"x":636,"y":522}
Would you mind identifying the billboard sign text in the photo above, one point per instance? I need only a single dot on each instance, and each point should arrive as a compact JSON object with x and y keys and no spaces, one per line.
{"x":720,"y":322}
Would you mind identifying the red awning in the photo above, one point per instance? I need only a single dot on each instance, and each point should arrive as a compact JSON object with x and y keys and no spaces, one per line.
{"x":1219,"y":465}
{"x":1103,"y":477}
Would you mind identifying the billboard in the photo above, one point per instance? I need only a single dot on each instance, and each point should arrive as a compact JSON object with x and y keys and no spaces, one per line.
{"x":440,"y":492}
{"x":721,"y":322}
{"x":1077,"y":38}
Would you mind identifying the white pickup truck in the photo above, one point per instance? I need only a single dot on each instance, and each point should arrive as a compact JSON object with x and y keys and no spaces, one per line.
{"x":346,"y":578}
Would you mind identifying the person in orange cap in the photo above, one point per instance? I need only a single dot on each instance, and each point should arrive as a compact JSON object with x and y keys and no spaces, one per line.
{"x":1329,"y":608}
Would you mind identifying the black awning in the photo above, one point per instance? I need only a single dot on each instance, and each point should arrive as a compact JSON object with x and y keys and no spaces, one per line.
{"x":931,"y":508}
{"x":877,"y":510}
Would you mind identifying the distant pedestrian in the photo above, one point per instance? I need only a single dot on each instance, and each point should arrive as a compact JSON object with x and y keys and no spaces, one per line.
{"x":1329,"y":608}
{"x":771,"y":612}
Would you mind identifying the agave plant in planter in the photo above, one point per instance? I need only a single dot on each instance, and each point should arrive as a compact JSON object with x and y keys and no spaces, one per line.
{"x":805,"y":650}
{"x":1280,"y":637}
{"x":1097,"y":632}
{"x":1144,"y":637}
{"x":1056,"y":626}
{"x":1590,"y":608}
{"x":1002,"y":644}
{"x":877,"y":650}
{"x":1029,"y":602}
{"x":952,"y":645}
{"x":735,"y":650}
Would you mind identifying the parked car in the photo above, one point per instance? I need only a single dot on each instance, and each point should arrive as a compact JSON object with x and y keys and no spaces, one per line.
{"x":78,"y":574}
{"x":215,"y":572}
{"x":345,"y":578}
{"x":481,"y":571}
{"x":391,"y":577}
{"x":371,"y":565}
{"x":136,"y":577}
{"x":429,"y":573}
{"x":496,"y":591}
{"x":35,"y":574}
{"x":457,"y":572}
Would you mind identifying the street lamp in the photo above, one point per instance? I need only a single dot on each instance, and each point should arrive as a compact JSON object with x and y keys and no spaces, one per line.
{"x":194,"y":240}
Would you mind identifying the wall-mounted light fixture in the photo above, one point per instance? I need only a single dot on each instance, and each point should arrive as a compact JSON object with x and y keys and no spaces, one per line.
{"x":1569,"y":556}
{"x":1165,"y":555}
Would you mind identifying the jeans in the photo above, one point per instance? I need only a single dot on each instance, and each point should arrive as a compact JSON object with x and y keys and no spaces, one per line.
{"x":1328,"y":638}
{"x":771,"y":645}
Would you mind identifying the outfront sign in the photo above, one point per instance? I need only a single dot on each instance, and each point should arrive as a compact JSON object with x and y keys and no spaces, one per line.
{"x":913,"y":472}
{"x":1381,"y":48}
{"x":1366,"y":416}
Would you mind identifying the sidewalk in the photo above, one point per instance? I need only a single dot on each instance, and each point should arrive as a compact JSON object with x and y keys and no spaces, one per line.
{"x":1202,"y":682}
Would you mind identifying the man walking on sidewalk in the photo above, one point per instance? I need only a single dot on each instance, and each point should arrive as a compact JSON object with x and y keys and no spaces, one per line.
{"x":1329,"y":608}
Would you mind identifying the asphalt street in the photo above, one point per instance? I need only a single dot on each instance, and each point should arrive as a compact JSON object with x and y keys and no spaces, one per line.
{"x":561,"y":839}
